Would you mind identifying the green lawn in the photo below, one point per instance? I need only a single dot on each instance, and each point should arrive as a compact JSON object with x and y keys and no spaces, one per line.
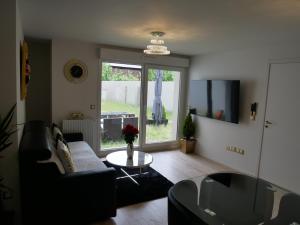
{"x":153,"y":133}
{"x":110,"y":106}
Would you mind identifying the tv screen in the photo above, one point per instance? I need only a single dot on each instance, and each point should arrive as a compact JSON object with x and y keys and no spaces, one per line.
{"x":217,"y":99}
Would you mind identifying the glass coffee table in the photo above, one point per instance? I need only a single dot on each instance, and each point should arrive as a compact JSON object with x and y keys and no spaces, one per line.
{"x":231,"y":199}
{"x":140,"y":160}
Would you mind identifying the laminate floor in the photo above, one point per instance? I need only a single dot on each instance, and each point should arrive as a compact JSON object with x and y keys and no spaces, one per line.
{"x":175,"y":166}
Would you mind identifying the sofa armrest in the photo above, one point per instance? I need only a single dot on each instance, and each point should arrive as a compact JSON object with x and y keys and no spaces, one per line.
{"x":71,"y":137}
{"x":107,"y":173}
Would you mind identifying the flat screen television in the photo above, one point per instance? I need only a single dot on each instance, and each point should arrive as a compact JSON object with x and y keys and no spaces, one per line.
{"x":216,"y":99}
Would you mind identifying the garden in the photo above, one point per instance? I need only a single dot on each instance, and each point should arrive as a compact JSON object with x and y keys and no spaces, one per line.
{"x":154,"y":133}
{"x":120,"y":93}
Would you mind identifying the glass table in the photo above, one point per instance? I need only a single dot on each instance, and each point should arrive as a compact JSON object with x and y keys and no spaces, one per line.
{"x":231,"y":199}
{"x":139,"y":160}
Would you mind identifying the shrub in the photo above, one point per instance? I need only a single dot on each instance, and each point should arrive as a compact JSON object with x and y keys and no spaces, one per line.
{"x":188,"y":127}
{"x":164,"y":113}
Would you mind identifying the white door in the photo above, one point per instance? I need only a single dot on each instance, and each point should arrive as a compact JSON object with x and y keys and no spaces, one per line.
{"x":280,"y":160}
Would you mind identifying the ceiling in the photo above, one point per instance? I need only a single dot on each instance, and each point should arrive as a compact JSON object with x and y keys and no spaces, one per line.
{"x":192,"y":27}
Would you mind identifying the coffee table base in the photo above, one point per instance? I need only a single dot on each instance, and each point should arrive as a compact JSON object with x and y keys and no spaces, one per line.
{"x":131,"y":176}
{"x":139,"y":161}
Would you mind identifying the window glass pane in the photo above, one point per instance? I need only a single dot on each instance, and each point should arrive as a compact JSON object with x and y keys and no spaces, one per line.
{"x":120,"y":102}
{"x":162,"y":105}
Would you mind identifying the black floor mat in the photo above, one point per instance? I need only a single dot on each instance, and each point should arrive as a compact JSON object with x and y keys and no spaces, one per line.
{"x":152,"y":185}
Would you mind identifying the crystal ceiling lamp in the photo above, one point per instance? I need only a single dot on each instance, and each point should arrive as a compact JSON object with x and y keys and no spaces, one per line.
{"x":157,"y":47}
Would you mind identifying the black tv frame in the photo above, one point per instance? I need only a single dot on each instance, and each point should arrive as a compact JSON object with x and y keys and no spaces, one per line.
{"x":235,"y":98}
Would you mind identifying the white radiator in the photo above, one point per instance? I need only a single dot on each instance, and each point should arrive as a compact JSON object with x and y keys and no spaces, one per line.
{"x":87,"y":127}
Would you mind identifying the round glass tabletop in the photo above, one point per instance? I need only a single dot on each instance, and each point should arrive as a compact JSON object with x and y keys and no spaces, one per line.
{"x":139,"y":159}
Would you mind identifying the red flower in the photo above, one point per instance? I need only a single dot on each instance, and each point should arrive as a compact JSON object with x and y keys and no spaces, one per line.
{"x":130,"y":133}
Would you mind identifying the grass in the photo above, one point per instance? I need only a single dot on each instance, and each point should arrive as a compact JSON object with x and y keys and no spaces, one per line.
{"x":153,"y":133}
{"x":110,"y":106}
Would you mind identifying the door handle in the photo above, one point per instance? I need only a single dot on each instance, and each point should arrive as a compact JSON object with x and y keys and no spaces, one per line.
{"x":267,"y":123}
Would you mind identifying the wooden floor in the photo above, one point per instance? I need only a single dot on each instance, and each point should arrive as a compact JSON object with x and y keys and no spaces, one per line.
{"x":175,"y":166}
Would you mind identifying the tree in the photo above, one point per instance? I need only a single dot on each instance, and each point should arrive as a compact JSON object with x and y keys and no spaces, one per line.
{"x":109,"y":75}
{"x":106,"y":72}
{"x":167,"y":75}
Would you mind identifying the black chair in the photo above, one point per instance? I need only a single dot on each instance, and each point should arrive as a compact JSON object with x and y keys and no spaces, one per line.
{"x":288,"y":211}
{"x":112,"y":128}
{"x":134,"y":121}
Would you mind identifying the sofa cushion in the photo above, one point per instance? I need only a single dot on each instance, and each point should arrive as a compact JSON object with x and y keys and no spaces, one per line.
{"x":56,"y":131}
{"x":61,"y":138}
{"x":52,"y":127}
{"x":84,"y":157}
{"x":65,"y":157}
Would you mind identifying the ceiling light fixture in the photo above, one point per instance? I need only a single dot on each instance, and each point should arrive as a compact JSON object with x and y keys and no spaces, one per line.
{"x":157,"y":47}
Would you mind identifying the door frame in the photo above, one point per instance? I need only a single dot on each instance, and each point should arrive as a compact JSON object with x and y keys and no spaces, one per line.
{"x":173,"y":144}
{"x":99,"y":96}
{"x":270,"y":62}
{"x":152,"y":147}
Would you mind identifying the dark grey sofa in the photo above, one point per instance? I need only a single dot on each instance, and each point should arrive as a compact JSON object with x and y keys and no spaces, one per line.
{"x":49,"y":197}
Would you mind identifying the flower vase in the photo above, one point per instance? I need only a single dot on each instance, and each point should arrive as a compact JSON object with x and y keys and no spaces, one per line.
{"x":129,"y":150}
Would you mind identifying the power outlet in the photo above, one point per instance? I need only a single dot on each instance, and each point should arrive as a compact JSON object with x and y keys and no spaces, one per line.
{"x":235,"y":149}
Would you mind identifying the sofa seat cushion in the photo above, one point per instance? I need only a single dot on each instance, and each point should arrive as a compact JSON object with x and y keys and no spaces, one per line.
{"x":84,"y":157}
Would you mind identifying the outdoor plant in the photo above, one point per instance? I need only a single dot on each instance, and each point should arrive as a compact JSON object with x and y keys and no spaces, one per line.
{"x":130,"y":133}
{"x":188,"y":127}
{"x":109,"y":75}
{"x":164,"y":113}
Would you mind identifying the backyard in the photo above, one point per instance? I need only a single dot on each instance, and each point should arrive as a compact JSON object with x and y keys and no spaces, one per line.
{"x":121,"y":90}
{"x":154,"y":133}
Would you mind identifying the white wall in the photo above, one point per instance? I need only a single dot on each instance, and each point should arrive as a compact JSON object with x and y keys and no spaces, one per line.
{"x":251,"y":67}
{"x":10,"y":39}
{"x":66,"y":96}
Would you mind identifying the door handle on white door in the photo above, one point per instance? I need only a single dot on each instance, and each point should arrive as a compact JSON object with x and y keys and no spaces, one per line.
{"x":267,"y":123}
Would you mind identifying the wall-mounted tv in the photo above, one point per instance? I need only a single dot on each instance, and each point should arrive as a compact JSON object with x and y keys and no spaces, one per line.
{"x":217,"y":99}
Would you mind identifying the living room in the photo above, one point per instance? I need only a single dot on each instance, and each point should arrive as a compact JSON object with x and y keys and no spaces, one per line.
{"x":253,"y":42}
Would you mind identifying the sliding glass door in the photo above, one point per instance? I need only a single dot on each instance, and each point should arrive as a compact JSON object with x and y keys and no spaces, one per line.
{"x":126,"y":87}
{"x":120,"y":102}
{"x":163,"y":87}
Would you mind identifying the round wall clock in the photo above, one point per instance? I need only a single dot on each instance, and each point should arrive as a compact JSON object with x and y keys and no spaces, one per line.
{"x":75,"y":71}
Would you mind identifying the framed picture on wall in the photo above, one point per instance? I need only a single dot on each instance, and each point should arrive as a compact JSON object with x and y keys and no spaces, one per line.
{"x":25,"y":69}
